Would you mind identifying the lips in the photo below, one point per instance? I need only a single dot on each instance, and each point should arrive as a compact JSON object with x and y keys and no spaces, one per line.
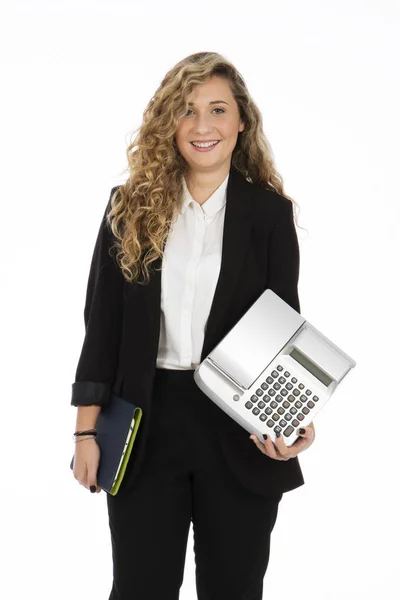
{"x":205,"y":148}
{"x":204,"y":141}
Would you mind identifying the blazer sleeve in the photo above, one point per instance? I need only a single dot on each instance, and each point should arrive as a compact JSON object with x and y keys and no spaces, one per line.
{"x":284,"y":256}
{"x":103,"y":310}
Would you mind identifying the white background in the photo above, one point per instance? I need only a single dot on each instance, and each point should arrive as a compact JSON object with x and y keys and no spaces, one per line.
{"x":76,"y":77}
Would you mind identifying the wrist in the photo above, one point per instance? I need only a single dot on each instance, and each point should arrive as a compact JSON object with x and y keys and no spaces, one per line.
{"x":84,"y":438}
{"x":87,"y":416}
{"x":80,"y":434}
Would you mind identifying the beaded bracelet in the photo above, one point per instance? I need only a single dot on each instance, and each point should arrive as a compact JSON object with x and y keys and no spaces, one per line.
{"x":92,"y":431}
{"x":85,"y":431}
{"x":84,"y":439}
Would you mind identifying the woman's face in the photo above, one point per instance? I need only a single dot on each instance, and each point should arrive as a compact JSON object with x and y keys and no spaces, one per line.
{"x":212,"y":115}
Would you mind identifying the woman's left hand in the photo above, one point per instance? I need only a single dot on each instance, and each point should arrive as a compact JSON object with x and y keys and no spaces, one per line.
{"x":279,"y":450}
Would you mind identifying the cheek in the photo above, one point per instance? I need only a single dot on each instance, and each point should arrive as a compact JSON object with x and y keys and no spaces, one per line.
{"x":233,"y":131}
{"x":178,"y":141}
{"x":181,"y":130}
{"x":180,"y":138}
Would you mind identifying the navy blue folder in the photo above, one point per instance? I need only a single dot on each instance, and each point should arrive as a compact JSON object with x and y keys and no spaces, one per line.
{"x":116,"y":425}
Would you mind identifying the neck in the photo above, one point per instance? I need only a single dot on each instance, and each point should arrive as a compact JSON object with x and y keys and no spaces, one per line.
{"x":203,"y":184}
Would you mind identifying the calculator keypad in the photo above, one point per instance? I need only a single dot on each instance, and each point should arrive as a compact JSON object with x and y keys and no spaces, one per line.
{"x":266,"y":402}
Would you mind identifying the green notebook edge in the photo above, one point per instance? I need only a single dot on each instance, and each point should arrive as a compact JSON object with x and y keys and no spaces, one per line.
{"x":138,"y":417}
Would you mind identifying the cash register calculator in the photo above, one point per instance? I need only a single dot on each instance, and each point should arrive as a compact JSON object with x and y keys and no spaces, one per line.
{"x":273,"y":371}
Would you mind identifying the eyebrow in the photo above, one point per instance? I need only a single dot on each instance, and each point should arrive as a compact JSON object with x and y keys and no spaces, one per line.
{"x":212,"y":102}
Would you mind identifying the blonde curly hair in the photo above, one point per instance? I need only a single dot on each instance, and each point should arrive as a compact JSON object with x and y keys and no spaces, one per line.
{"x":143,"y":208}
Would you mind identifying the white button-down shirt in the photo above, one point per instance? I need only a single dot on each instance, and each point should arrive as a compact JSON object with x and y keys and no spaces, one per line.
{"x":190,"y":270}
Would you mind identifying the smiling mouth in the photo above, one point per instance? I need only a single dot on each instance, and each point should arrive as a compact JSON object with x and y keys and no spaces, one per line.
{"x":207,"y":148}
{"x":208,"y":144}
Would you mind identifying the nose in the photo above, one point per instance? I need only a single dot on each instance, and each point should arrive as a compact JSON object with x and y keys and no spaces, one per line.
{"x":202,"y":124}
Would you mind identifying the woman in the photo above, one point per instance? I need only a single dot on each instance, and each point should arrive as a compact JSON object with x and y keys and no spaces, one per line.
{"x":201,"y":228}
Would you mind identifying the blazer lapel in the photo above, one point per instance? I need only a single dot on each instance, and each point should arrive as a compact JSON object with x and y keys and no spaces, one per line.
{"x":236,"y":236}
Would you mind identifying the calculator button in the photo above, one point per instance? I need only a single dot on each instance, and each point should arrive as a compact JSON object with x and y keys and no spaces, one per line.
{"x":277,"y":429}
{"x":293,"y":410}
{"x":315,"y":398}
{"x":269,"y":379}
{"x":248,"y":404}
{"x":291,"y":398}
{"x":264,"y":386}
{"x":280,"y":368}
{"x":275,"y":417}
{"x":310,"y":404}
{"x":288,"y":417}
{"x":293,"y":380}
{"x":270,"y":423}
{"x":298,"y":404}
{"x":281,"y":380}
{"x":300,"y":417}
{"x":254,"y":398}
{"x":261,"y":404}
{"x":271,"y":392}
{"x":274,"y":373}
{"x":296,"y":392}
{"x":295,"y":423}
{"x":262,"y":417}
{"x":282,"y":410}
{"x":305,"y":410}
{"x":259,"y":392}
{"x":301,"y":386}
{"x":303,"y":398}
{"x":286,"y":374}
{"x":308,"y":392}
{"x":278,"y":398}
{"x":287,"y":405}
{"x":273,"y":404}
{"x":276,"y":386}
{"x":268,"y":410}
{"x":255,"y":410}
{"x":282,"y":423}
{"x":289,"y":386}
{"x":288,"y":431}
{"x":284,"y":392}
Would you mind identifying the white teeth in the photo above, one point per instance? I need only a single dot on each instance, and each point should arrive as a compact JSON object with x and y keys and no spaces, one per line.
{"x":204,"y":144}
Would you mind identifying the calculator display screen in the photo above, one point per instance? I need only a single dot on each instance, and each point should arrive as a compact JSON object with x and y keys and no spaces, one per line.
{"x":310,"y":366}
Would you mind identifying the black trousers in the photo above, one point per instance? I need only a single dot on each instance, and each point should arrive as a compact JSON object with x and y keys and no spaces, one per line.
{"x":184,"y":479}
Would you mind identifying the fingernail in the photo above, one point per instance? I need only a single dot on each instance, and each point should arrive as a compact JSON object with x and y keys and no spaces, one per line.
{"x":265,"y":436}
{"x":302,"y":430}
{"x":92,"y":488}
{"x":278,"y":434}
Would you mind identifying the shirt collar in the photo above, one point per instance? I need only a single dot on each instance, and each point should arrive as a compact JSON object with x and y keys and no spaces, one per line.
{"x":212,"y":205}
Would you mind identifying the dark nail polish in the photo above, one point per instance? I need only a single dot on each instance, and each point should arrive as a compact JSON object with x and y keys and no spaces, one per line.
{"x":265,"y":436}
{"x":302,"y":430}
{"x":92,"y":488}
{"x":278,"y":434}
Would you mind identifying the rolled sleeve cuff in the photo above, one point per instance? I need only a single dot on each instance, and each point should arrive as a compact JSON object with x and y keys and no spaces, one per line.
{"x":85,"y":393}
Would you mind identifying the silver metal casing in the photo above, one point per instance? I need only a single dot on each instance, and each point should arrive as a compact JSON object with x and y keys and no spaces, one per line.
{"x":272,"y":337}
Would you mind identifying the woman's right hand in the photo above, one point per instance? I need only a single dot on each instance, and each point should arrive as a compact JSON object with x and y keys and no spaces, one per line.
{"x":86,"y":462}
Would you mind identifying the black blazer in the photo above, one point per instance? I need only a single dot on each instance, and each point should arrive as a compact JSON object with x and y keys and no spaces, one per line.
{"x":122,"y":321}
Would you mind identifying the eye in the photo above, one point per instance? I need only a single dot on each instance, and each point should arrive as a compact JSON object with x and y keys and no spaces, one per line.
{"x":213,"y":109}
